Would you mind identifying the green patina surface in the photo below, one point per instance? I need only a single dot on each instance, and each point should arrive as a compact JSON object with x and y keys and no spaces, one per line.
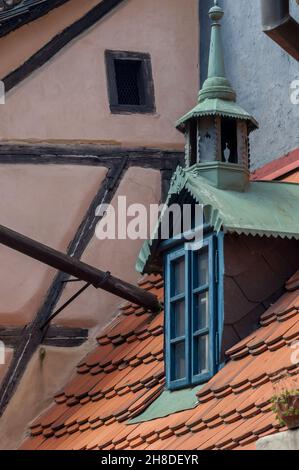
{"x":217,"y":97}
{"x":168,"y":403}
{"x":264,"y":209}
{"x":217,"y":107}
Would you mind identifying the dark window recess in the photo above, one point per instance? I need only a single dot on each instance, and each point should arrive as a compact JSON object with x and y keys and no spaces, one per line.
{"x":193,"y":142}
{"x":229,"y":140}
{"x":130,"y":82}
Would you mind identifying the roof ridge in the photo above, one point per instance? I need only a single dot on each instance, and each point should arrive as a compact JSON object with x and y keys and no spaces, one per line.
{"x":278,"y":167}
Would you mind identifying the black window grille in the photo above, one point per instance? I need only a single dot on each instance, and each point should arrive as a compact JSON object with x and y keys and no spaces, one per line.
{"x":130,"y":82}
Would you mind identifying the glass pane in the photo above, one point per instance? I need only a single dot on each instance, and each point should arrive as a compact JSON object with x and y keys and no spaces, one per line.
{"x":178,"y":361}
{"x":178,"y":286}
{"x":178,"y":319}
{"x":201,"y":355}
{"x":201,"y":311}
{"x":202,"y":268}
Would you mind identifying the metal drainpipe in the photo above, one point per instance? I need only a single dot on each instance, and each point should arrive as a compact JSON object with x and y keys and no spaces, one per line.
{"x":280,"y":26}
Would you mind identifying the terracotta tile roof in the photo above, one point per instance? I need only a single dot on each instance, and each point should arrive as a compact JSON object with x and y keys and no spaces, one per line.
{"x":279,"y":168}
{"x":125,"y":373}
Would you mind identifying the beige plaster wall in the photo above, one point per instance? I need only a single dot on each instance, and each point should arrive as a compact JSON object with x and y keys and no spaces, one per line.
{"x":42,"y":380}
{"x":96,"y":307}
{"x":45,"y":202}
{"x":67,"y":98}
{"x":28,"y":39}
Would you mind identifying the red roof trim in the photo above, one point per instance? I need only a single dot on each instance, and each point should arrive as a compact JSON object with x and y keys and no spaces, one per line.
{"x":278,"y":168}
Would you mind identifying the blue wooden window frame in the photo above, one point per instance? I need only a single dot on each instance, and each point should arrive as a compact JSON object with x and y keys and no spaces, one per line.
{"x":192,"y":289}
{"x":173,"y":299}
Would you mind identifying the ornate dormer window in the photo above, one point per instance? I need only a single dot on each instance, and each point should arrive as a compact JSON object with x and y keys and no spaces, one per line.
{"x":216,"y":133}
{"x":198,"y":325}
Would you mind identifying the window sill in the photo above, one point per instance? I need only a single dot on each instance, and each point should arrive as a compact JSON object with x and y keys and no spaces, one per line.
{"x":126,"y":109}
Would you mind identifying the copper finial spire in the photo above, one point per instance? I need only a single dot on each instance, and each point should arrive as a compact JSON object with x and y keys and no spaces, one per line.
{"x":217,"y":84}
{"x":217,"y":96}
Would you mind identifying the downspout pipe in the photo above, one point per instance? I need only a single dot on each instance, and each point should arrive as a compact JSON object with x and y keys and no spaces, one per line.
{"x":280,"y":26}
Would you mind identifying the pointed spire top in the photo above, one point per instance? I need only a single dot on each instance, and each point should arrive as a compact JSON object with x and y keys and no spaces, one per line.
{"x":217,"y":97}
{"x":216,"y":85}
{"x":216,"y":13}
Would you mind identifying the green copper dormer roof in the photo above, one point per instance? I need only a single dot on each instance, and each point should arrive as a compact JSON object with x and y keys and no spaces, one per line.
{"x":217,"y":107}
{"x":217,"y":97}
{"x":267,"y":209}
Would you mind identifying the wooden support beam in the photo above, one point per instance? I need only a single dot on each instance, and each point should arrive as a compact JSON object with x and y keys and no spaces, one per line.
{"x":32,"y":336}
{"x":56,"y":336}
{"x":89,"y":155}
{"x":64,"y":337}
{"x":118,"y":161}
{"x":78,"y":269}
{"x":55,"y":45}
{"x":10,"y":336}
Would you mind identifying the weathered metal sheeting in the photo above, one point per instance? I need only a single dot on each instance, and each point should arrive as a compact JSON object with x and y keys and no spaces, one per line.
{"x":217,"y":107}
{"x":268,"y":209}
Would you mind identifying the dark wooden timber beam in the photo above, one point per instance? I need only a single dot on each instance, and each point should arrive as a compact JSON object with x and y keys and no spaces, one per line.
{"x":10,"y":336}
{"x":62,"y":337}
{"x":78,"y":269}
{"x":89,"y":155}
{"x":33,"y":335}
{"x":46,"y":53}
{"x":55,"y":336}
{"x":96,"y":155}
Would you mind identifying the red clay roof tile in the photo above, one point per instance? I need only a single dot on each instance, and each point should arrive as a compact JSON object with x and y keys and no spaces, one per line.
{"x":125,"y":374}
{"x":279,"y":168}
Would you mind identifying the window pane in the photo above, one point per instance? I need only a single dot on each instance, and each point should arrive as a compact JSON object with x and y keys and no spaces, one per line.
{"x":178,"y":361}
{"x":178,"y":319}
{"x":201,"y":311}
{"x":201,"y":354}
{"x":178,"y":286}
{"x":202,"y":268}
